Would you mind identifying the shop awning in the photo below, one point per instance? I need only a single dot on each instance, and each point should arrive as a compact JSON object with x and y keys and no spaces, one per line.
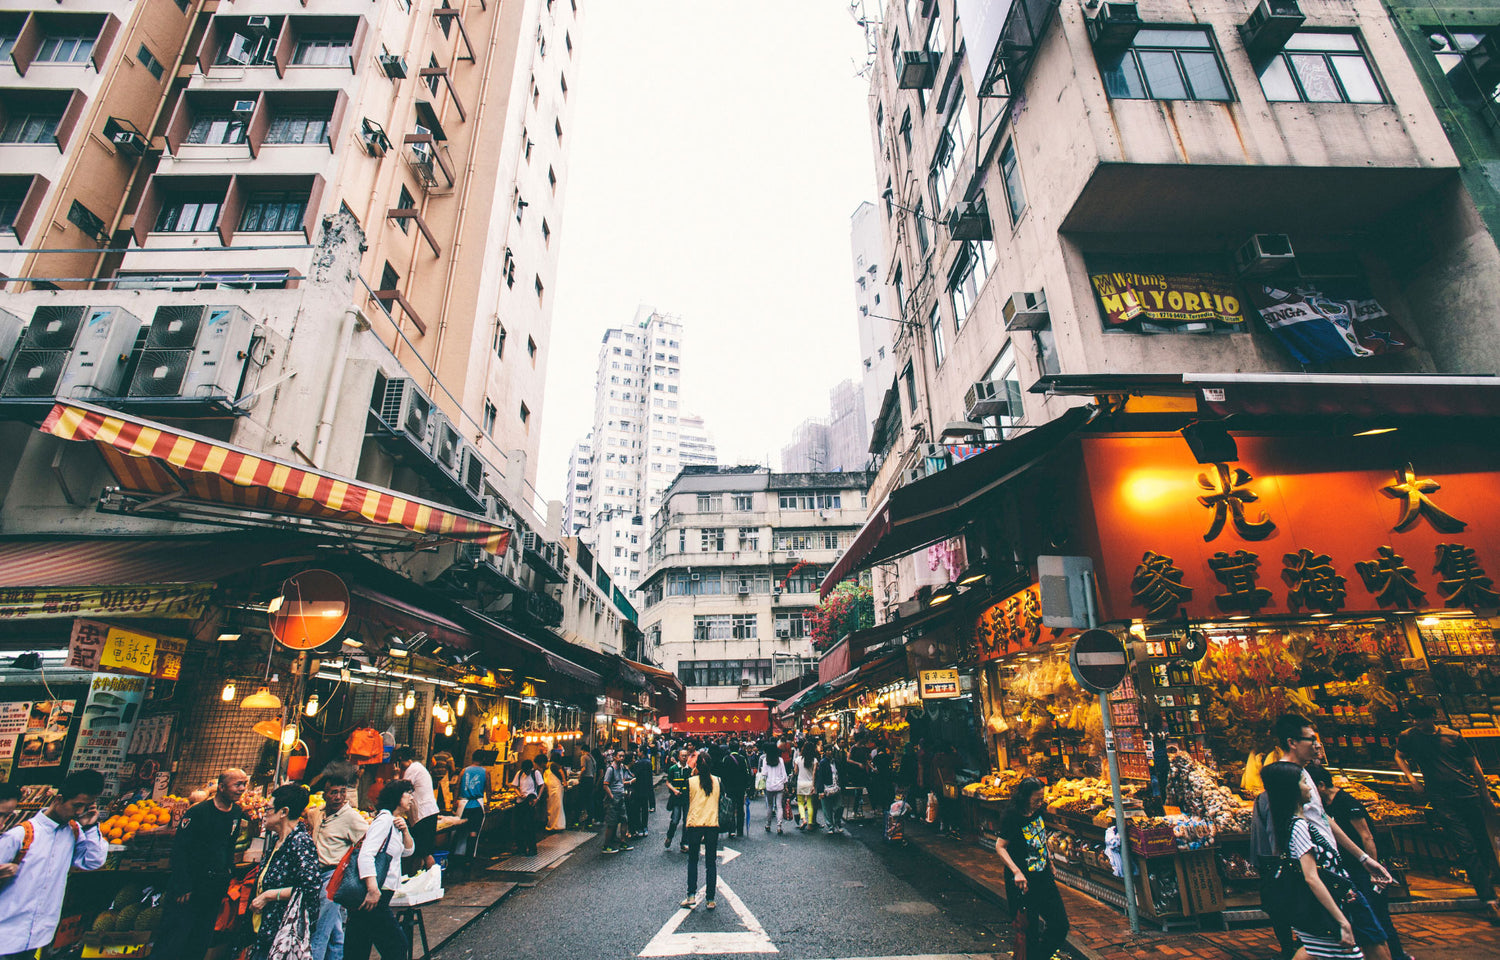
{"x":790,"y":688}
{"x":940,"y":506}
{"x":663,"y":680}
{"x":539,"y":654}
{"x":724,"y":718}
{"x":867,"y":674}
{"x":792,"y":704}
{"x":380,"y":612}
{"x":117,"y":561}
{"x":165,"y":471}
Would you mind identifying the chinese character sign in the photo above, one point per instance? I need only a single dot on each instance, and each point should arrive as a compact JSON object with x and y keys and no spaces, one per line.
{"x":108,"y":719}
{"x":180,"y":601}
{"x":13,"y":717}
{"x":128,"y":650}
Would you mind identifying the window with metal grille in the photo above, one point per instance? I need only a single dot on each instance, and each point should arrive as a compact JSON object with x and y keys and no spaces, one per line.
{"x":274,"y":211}
{"x":298,"y":128}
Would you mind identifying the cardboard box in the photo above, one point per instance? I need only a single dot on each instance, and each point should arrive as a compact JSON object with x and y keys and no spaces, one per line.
{"x":1202,"y":887}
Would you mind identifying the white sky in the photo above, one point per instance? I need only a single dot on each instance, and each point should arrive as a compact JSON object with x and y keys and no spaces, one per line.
{"x":719,"y":150}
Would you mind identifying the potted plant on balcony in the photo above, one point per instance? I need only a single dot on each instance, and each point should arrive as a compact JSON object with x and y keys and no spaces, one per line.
{"x":850,"y":607}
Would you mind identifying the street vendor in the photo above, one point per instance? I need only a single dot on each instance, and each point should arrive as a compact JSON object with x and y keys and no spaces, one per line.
{"x":202,"y":858}
{"x":35,"y":857}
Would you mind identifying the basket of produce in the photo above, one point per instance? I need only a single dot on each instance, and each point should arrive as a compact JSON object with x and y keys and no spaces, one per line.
{"x":1152,"y":837}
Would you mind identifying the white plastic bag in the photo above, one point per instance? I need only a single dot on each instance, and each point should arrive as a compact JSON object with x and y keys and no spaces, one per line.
{"x":423,"y":887}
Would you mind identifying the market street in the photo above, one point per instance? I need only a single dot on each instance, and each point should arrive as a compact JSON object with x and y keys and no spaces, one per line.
{"x":814,"y":896}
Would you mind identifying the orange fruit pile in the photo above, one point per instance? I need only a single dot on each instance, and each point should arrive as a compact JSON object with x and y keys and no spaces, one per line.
{"x":140,"y":817}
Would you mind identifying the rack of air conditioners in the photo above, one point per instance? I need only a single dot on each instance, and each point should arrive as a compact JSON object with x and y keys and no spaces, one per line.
{"x":194,"y":352}
{"x":67,"y":352}
{"x":931,"y":458}
{"x":405,"y":410}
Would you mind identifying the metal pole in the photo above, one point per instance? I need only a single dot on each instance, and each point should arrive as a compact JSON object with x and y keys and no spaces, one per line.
{"x":1114,"y":779}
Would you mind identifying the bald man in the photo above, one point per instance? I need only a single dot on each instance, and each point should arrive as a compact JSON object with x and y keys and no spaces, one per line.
{"x":202,"y":855}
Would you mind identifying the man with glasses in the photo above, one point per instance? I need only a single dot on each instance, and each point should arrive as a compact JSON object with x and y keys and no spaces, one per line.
{"x":336,"y":828}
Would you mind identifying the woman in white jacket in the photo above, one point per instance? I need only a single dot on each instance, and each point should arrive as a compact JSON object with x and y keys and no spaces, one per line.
{"x":374,"y":924}
{"x":773,"y":768}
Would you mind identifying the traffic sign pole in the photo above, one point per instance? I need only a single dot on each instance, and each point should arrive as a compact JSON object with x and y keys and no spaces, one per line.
{"x":1114,"y":780}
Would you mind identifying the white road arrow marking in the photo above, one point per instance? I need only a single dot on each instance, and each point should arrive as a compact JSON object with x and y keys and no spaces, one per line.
{"x":669,"y":943}
{"x":726,"y":854}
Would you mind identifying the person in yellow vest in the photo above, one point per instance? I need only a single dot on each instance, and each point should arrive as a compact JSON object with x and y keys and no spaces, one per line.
{"x":701,"y":831}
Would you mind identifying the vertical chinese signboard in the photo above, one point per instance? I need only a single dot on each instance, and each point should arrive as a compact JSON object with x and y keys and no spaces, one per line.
{"x":109,"y":717}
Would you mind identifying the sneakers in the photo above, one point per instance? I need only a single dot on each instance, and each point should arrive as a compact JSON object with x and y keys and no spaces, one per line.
{"x":768,"y":828}
{"x":683,"y":848}
{"x":778,"y":829}
{"x":610,"y":850}
{"x":626,"y":846}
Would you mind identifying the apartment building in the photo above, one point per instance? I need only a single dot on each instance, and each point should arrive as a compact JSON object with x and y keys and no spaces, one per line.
{"x":736,"y":556}
{"x":837,"y":442}
{"x":187,"y":146}
{"x":642,"y":436}
{"x":576,"y":498}
{"x":872,"y":298}
{"x":1159,"y":187}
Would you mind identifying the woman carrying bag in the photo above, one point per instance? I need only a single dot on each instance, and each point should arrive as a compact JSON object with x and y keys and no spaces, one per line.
{"x":287,"y":904}
{"x":702,"y":829}
{"x":378,"y":859}
{"x":772,"y":779}
{"x":1311,"y":885}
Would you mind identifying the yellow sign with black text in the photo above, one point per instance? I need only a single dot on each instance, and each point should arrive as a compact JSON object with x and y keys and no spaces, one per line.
{"x":938,"y":684}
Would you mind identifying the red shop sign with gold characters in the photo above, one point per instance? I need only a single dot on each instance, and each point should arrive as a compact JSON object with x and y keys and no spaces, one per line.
{"x":1298,"y":525}
{"x":1012,"y":625}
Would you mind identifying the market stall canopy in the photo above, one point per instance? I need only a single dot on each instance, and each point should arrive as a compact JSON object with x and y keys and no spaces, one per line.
{"x":380,"y":612}
{"x":792,"y":704}
{"x":538,"y":653}
{"x":664,"y":681}
{"x":790,"y":688}
{"x":162,"y":470}
{"x":937,"y":507}
{"x":116,"y":561}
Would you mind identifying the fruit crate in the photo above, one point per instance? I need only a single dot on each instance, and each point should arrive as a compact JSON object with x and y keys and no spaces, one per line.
{"x":1156,"y":840}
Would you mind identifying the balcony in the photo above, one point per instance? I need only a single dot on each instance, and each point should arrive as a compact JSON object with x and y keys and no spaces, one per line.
{"x":428,"y":160}
{"x":47,"y":38}
{"x":282,"y":42}
{"x":32,"y":118}
{"x":215,"y":124}
{"x":21,"y":197}
{"x":229,"y":204}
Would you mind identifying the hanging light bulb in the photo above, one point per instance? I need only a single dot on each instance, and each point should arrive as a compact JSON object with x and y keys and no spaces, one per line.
{"x":227,"y":694}
{"x":312,"y":706}
{"x":463,"y":703}
{"x":288,"y":736}
{"x":411,"y":698}
{"x":400,"y":708}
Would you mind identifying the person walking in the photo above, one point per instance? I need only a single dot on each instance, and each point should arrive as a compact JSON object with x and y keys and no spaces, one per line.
{"x":1288,"y":794}
{"x":828,"y":789}
{"x":473,"y":791}
{"x":528,"y":784}
{"x":588,"y":786}
{"x":773,"y":769}
{"x":35,"y":857}
{"x":882,"y":784}
{"x":704,"y":793}
{"x":424,"y":829}
{"x":733,"y":778}
{"x":336,"y":827}
{"x":642,"y":794}
{"x":677,"y":777}
{"x":1453,"y":785}
{"x":1030,"y":887}
{"x":201,"y":861}
{"x":287,"y":901}
{"x":807,"y":772}
{"x":553,"y":779}
{"x":374,"y":924}
{"x":1354,"y":820}
{"x":616,"y":784}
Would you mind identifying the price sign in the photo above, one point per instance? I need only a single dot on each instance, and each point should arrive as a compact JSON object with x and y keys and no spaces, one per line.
{"x":127,"y":650}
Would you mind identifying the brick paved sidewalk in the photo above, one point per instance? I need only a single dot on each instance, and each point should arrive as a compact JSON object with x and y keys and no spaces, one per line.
{"x":1099,"y":932}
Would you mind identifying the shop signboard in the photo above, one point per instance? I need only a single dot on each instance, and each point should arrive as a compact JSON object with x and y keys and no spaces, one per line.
{"x":97,"y":646}
{"x":938,"y":684}
{"x":1012,"y":625}
{"x":1300,"y":526}
{"x":13,"y":717}
{"x":109,"y":716}
{"x":174,"y":601}
{"x":1169,"y":302}
{"x":47,"y":724}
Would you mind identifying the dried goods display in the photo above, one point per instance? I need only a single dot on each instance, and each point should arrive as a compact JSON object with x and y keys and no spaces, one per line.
{"x":1195,"y":788}
{"x":994,"y":786}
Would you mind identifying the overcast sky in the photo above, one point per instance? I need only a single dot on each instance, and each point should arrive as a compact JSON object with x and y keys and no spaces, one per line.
{"x":719,"y":150}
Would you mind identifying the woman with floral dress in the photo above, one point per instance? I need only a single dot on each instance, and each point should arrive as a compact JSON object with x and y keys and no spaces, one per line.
{"x":287,"y":903}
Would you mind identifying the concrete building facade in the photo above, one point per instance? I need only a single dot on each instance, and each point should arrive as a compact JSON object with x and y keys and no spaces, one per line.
{"x":576,"y":499}
{"x":872,"y":298}
{"x":736,"y":556}
{"x":836,"y":443}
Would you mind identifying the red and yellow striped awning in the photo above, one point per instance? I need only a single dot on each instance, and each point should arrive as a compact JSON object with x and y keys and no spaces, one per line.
{"x":148,"y":458}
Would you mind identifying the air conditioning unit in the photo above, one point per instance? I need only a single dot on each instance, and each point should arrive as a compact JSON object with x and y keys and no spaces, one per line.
{"x":471,"y":470}
{"x":72,"y":352}
{"x":195,"y":352}
{"x":258,"y":24}
{"x":1114,"y":26}
{"x":987,"y":398}
{"x":11,"y":328}
{"x":783,"y":633}
{"x":1264,"y":254}
{"x":1026,"y":311}
{"x":1270,"y":25}
{"x":403,"y":408}
{"x":128,"y":143}
{"x":244,"y":108}
{"x":743,"y":590}
{"x":918,"y":70}
{"x":971,"y":221}
{"x":696,"y":577}
{"x":393,"y":66}
{"x":445,"y":442}
{"x":531,"y":540}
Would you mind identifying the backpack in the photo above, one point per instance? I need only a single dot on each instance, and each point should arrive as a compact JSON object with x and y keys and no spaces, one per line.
{"x":28,"y":837}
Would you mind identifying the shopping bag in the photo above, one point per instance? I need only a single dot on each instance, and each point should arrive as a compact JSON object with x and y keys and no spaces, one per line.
{"x":932,"y":808}
{"x":1018,"y":936}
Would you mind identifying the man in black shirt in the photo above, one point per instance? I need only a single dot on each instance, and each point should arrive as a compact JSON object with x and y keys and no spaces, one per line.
{"x":1453,"y":785}
{"x":642,"y":793}
{"x":1029,"y":882}
{"x":202,"y":858}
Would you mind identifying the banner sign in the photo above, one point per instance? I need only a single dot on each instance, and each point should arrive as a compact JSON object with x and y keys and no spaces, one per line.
{"x":1323,"y":320}
{"x":96,"y":646}
{"x":177,"y":601}
{"x":938,"y":684}
{"x":12,"y":721}
{"x":1169,"y":302}
{"x":47,"y":725}
{"x":108,"y":719}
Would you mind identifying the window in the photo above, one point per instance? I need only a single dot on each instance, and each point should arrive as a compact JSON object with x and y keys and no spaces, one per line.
{"x":906,"y":129}
{"x":712,"y":539}
{"x":321,"y":51}
{"x":935,"y":323}
{"x":1166,"y":64}
{"x":909,"y":377}
{"x":744,"y":502}
{"x":1321,"y":68}
{"x":710,"y":503}
{"x":298,"y":128}
{"x":970,"y":270}
{"x":880,"y":125}
{"x":1010,"y":172}
{"x":404,"y":201}
{"x":10,"y":209}
{"x":86,"y":220}
{"x":273,"y":212}
{"x":899,"y":283}
{"x":499,"y":341}
{"x":433,"y":81}
{"x":557,"y":128}
{"x":22,"y":127}
{"x":919,"y":218}
{"x":389,"y":280}
{"x":552,"y":179}
{"x":682,"y":540}
{"x":216,"y":129}
{"x":149,"y":61}
{"x":723,"y":673}
{"x":793,"y":624}
{"x":1004,"y":371}
{"x":889,"y":196}
{"x":546,"y":233}
{"x":950,"y":149}
{"x":188,"y":215}
{"x":539,"y":288}
{"x":744,"y":626}
{"x":65,"y":48}
{"x":531,"y":348}
{"x":749,"y":538}
{"x":525,"y":413}
{"x":490,"y":415}
{"x":248,"y":51}
{"x":562,"y":81}
{"x":936,"y":41}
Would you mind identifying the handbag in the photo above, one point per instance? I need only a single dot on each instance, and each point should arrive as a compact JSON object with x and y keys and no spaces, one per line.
{"x":760,"y":781}
{"x":293,"y":940}
{"x":345,"y":887}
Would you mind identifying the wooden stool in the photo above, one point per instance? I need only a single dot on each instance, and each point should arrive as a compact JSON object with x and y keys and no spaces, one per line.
{"x":411,"y":921}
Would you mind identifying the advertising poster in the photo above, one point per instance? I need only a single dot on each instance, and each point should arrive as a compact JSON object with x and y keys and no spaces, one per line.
{"x":13,"y":717}
{"x":1169,"y":302}
{"x":146,"y":755}
{"x":108,"y":720}
{"x":46,"y":730}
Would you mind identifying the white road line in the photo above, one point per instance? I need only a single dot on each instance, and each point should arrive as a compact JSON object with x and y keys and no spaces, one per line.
{"x":726,"y":854}
{"x":669,"y":943}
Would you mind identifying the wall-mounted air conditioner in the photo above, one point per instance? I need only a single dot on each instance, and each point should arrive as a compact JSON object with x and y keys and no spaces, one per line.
{"x":393,"y":66}
{"x":1264,"y":254}
{"x":1114,"y":27}
{"x":11,"y":328}
{"x":243,"y":108}
{"x":445,"y":443}
{"x":986,"y":398}
{"x":1026,"y":311}
{"x":918,"y":70}
{"x":128,"y":143}
{"x":403,"y":408}
{"x":1270,"y":25}
{"x":471,"y":470}
{"x":72,"y":352}
{"x":195,"y":352}
{"x":258,"y":24}
{"x":971,"y":221}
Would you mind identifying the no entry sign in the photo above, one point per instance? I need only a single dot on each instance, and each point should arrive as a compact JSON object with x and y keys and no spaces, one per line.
{"x":1099,"y":660}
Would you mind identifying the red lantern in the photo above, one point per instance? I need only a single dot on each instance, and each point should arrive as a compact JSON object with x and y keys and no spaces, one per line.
{"x":314,"y":606}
